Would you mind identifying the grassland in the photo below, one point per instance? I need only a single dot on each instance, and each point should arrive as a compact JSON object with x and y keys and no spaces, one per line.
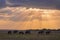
{"x":29,"y":37}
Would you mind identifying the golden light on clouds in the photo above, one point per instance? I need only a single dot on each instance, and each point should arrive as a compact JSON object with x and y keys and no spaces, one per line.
{"x":30,"y":18}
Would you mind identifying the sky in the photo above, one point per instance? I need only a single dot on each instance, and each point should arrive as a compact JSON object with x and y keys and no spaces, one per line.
{"x":29,"y":14}
{"x":31,"y":3}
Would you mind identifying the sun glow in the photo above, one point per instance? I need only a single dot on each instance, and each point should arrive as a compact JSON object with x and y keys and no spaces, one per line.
{"x":42,"y":12}
{"x":31,"y":18}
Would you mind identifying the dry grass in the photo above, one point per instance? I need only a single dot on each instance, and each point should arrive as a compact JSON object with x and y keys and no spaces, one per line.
{"x":29,"y":37}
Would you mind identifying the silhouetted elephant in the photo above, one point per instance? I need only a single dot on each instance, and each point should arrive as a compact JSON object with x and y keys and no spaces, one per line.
{"x":48,"y":32}
{"x":28,"y":32}
{"x":21,"y":32}
{"x":41,"y":32}
{"x":9,"y":32}
{"x":15,"y":31}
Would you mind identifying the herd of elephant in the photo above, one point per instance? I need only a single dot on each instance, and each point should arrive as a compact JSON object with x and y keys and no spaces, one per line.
{"x":28,"y":32}
{"x":33,"y":31}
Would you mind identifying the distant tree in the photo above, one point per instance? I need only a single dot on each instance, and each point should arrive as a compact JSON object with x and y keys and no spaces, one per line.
{"x":15,"y":31}
{"x":28,"y":32}
{"x":21,"y":32}
{"x":58,"y":29}
{"x":9,"y":32}
{"x":41,"y":32}
{"x":44,"y":29}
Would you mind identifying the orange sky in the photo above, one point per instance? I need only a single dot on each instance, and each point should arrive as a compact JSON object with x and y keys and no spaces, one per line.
{"x":21,"y":18}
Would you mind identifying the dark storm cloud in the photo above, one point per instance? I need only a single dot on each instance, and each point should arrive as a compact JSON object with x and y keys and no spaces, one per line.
{"x":31,"y":3}
{"x":2,"y":3}
{"x":36,"y":3}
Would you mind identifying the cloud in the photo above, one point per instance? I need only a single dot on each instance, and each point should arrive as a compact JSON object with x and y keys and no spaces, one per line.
{"x":23,"y":18}
{"x":53,"y":4}
{"x":2,"y":3}
{"x":14,"y":16}
{"x":5,"y":14}
{"x":22,"y":14}
{"x":17,"y":14}
{"x":48,"y":4}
